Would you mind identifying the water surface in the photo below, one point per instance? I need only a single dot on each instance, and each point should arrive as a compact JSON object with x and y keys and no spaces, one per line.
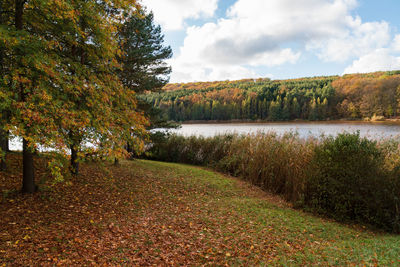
{"x":371,"y":130}
{"x":303,"y":129}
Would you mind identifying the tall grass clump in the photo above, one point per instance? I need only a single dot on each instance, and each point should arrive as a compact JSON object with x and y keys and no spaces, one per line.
{"x":345,"y":177}
{"x":192,"y":150}
{"x":274,"y":163}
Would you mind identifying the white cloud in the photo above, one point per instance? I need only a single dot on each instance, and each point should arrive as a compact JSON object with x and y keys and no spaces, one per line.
{"x":172,"y":13}
{"x":189,"y":73}
{"x":379,"y":60}
{"x":396,"y":43}
{"x":357,"y":39}
{"x":257,"y":34}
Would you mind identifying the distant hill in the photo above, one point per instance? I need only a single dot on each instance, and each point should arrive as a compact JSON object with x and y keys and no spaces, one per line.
{"x":353,"y":96}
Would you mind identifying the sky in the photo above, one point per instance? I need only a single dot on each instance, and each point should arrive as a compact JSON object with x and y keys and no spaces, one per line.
{"x":216,"y":40}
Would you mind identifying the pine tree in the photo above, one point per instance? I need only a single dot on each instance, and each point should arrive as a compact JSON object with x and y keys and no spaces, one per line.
{"x":275,"y":110}
{"x":264,"y":109}
{"x":285,"y":114}
{"x":246,"y":108}
{"x":313,"y":113}
{"x":142,"y":58}
{"x":324,"y":109}
{"x":143,"y":54}
{"x":207,"y":110}
{"x":296,"y":109}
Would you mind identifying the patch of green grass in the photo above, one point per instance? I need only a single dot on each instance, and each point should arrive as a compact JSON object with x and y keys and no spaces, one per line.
{"x":293,"y":236}
{"x":193,"y":175}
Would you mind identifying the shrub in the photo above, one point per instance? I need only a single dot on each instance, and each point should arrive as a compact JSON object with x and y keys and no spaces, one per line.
{"x":347,"y":180}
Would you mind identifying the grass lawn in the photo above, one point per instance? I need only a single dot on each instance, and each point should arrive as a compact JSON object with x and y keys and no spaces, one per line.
{"x":153,"y":213}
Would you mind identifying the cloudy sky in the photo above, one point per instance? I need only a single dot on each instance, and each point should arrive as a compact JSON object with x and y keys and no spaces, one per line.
{"x":235,"y":39}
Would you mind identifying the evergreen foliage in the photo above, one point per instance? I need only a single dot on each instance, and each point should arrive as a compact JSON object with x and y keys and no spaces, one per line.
{"x":143,"y":54}
{"x":355,"y":96}
{"x":142,"y":59}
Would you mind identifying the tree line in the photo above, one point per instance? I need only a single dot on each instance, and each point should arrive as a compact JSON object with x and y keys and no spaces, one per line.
{"x":355,"y":96}
{"x":70,"y":74}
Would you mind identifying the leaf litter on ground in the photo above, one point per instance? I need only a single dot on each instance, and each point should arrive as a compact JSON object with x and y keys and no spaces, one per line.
{"x":152,"y":213}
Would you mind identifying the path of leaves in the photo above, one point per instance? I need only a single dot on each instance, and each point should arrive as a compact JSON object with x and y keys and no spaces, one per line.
{"x":141,"y":213}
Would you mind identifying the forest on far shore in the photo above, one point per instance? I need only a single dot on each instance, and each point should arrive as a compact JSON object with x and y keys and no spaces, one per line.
{"x":370,"y":96}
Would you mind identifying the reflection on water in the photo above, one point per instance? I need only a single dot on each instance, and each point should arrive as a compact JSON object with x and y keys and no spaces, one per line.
{"x":304,"y":129}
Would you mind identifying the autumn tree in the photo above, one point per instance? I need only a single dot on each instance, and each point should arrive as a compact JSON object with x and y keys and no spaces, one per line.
{"x":61,"y":77}
{"x":89,"y":58}
{"x":27,"y":41}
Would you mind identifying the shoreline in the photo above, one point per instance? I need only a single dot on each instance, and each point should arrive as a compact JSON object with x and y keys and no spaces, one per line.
{"x":395,"y":121}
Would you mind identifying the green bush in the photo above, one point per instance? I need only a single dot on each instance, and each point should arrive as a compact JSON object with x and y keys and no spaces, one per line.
{"x":347,"y":180}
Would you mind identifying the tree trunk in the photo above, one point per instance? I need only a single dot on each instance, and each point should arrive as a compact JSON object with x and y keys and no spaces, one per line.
{"x":129,"y":150}
{"x":3,"y":133}
{"x":116,"y":162}
{"x":3,"y":164}
{"x":74,"y":161}
{"x":6,"y":142}
{"x":19,"y":11}
{"x":4,"y":149}
{"x":28,"y":182}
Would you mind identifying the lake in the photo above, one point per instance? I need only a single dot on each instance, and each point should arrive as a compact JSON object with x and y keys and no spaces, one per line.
{"x":375,"y":130}
{"x":372,"y":130}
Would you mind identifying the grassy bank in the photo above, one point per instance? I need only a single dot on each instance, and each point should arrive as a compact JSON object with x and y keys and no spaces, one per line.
{"x":348,"y":178}
{"x":145,"y":212}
